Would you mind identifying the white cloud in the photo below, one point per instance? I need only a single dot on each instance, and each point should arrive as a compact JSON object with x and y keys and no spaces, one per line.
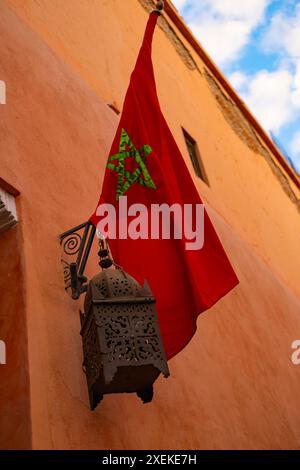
{"x":179,"y":3}
{"x":269,"y":96}
{"x":222,"y":38}
{"x":274,"y":96}
{"x":295,"y":144}
{"x":295,"y":149}
{"x":283,"y":34}
{"x":238,"y":80}
{"x":296,"y":85}
{"x":223,"y":26}
{"x":248,"y":11}
{"x":283,"y":37}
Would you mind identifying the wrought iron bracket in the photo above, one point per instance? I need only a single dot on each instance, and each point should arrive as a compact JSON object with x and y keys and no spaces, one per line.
{"x":76,"y":245}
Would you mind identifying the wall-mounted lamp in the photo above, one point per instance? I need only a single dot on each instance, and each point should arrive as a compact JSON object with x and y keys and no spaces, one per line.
{"x":122,"y":346}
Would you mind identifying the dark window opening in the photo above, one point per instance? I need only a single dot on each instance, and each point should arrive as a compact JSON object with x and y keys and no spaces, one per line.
{"x":195,"y":156}
{"x":114,"y":107}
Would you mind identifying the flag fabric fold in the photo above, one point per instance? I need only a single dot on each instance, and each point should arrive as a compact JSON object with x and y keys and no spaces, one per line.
{"x":146,"y":166}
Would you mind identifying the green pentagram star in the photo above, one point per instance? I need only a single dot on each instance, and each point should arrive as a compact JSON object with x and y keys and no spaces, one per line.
{"x":126,"y":179}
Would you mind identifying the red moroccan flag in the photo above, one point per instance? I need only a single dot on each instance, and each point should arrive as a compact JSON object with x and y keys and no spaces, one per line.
{"x":146,"y":166}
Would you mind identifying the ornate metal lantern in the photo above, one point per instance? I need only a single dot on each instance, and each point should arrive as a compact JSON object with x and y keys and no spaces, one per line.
{"x":122,"y":346}
{"x":123,"y":351}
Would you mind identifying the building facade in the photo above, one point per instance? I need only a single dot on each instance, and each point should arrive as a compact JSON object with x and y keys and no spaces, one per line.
{"x":66,"y":67}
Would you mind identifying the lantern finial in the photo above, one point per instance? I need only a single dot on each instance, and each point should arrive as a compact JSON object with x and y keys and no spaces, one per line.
{"x":104,"y":254}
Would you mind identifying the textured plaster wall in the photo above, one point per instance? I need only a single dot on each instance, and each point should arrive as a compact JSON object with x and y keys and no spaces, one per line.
{"x":234,"y":386}
{"x":15,"y":426}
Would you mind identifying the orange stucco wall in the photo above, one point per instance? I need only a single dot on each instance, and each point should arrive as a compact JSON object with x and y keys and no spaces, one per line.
{"x":234,"y":386}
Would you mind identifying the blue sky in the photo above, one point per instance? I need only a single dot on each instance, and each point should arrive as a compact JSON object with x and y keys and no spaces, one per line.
{"x":256,"y":44}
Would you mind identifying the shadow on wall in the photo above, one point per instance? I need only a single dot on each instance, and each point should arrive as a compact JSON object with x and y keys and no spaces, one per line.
{"x":15,"y":430}
{"x":2,"y":353}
